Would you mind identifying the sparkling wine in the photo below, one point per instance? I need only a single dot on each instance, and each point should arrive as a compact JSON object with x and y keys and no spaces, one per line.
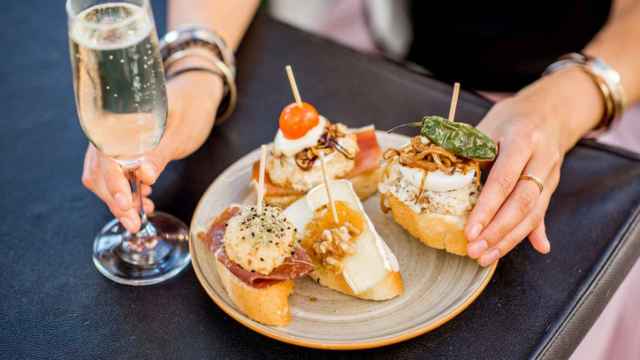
{"x":118,"y":80}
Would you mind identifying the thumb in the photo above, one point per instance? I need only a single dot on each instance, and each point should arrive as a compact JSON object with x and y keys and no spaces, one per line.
{"x":152,"y":165}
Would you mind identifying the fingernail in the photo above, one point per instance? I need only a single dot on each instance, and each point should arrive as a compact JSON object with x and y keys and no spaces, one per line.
{"x":546,"y":248}
{"x":126,"y":222}
{"x":149,"y":170}
{"x":122,"y":201}
{"x":489,"y":258}
{"x":476,"y":248}
{"x":474,"y":231}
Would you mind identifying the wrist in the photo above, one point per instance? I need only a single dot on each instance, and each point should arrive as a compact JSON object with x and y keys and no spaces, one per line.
{"x":571,"y":101}
{"x":193,"y":99}
{"x":199,"y":84}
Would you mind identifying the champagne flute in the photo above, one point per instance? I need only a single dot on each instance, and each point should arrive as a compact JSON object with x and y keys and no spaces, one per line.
{"x":121,"y":100}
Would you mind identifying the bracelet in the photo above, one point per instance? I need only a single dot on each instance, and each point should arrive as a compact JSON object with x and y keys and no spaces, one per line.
{"x":604,"y":76}
{"x":191,"y":69}
{"x":186,"y":41}
{"x":194,"y":51}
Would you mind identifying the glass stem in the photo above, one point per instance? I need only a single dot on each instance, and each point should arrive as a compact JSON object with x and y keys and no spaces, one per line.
{"x":137,"y":248}
{"x":136,"y":190}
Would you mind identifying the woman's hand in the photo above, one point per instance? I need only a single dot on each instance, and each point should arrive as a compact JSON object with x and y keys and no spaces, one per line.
{"x":193,"y":99}
{"x":534,"y":130}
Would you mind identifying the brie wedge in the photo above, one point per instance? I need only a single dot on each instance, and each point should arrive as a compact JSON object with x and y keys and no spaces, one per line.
{"x":372,"y":260}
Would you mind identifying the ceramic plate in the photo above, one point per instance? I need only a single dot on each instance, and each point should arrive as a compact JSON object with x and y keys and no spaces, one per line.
{"x":438,"y":285}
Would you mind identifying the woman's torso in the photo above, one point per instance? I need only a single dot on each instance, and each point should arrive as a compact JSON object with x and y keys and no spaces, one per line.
{"x":500,"y":45}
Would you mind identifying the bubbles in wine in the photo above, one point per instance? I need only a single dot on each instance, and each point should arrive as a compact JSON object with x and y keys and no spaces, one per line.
{"x":118,"y":79}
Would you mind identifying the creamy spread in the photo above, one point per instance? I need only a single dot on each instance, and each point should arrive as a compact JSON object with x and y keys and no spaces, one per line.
{"x":289,"y":147}
{"x":454,"y":194}
{"x":259,"y":242}
{"x":283,"y":170}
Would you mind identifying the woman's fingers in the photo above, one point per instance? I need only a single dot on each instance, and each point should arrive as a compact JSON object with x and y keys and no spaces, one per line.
{"x":147,"y":172}
{"x":106,"y":180}
{"x":517,"y":206}
{"x":532,"y":225}
{"x":151,"y":167}
{"x":116,"y":193}
{"x":500,"y":183}
{"x":539,"y":239}
{"x":129,"y":218}
{"x":146,"y":190}
{"x":514,"y":237}
{"x":116,"y":183}
{"x":148,"y":204}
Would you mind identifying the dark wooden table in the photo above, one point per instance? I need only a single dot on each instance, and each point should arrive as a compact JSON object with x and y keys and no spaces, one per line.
{"x":55,"y":305}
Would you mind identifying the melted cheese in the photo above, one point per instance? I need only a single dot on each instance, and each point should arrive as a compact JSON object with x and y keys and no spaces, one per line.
{"x":373,"y":259}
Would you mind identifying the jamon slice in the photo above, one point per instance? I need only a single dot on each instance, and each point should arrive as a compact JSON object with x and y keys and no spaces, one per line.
{"x":293,"y":267}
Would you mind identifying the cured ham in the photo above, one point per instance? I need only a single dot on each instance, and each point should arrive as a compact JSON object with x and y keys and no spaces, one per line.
{"x":369,"y":153}
{"x":296,"y":265}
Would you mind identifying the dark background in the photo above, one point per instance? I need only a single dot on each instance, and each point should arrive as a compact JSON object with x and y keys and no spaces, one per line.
{"x":54,"y":304}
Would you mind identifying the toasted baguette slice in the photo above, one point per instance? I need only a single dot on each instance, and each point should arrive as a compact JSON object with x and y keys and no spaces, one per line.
{"x":438,"y":231}
{"x":281,"y":201}
{"x":269,"y":305}
{"x":365,"y":185}
{"x":390,"y":287}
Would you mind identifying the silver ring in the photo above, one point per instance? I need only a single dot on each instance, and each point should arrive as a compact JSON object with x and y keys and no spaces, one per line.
{"x":535,"y":179}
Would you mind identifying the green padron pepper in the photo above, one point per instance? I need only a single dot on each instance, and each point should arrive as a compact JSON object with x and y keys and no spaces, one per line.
{"x":459,"y":138}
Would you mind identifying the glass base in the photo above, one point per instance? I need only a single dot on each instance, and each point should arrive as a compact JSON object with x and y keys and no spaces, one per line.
{"x":158,"y":252}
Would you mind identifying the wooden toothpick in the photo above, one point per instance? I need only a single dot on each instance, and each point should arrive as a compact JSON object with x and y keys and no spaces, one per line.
{"x":332,"y":204}
{"x":454,"y":101}
{"x":263,"y":160}
{"x":294,"y":86}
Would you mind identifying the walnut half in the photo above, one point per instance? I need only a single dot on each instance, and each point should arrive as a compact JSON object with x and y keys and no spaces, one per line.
{"x":335,"y":244}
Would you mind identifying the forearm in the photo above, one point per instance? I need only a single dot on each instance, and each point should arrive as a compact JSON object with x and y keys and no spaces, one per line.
{"x":617,"y":44}
{"x":194,"y":97}
{"x":230,"y":19}
{"x":568,"y":101}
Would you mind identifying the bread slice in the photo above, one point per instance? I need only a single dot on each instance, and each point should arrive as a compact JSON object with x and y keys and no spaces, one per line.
{"x":269,"y":305}
{"x":281,"y":201}
{"x":365,"y":185}
{"x":390,"y":287}
{"x":438,"y":231}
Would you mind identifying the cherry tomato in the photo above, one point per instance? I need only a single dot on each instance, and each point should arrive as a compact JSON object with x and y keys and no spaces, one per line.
{"x":296,"y":120}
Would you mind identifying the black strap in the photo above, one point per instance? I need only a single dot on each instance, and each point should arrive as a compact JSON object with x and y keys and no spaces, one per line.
{"x":193,"y":68}
{"x":224,"y":103}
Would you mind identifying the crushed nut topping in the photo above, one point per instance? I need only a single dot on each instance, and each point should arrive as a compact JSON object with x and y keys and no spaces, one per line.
{"x":329,"y":243}
{"x":335,"y":244}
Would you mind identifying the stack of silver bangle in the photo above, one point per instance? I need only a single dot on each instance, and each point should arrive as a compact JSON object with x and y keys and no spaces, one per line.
{"x":193,"y":41}
{"x":604,"y":76}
